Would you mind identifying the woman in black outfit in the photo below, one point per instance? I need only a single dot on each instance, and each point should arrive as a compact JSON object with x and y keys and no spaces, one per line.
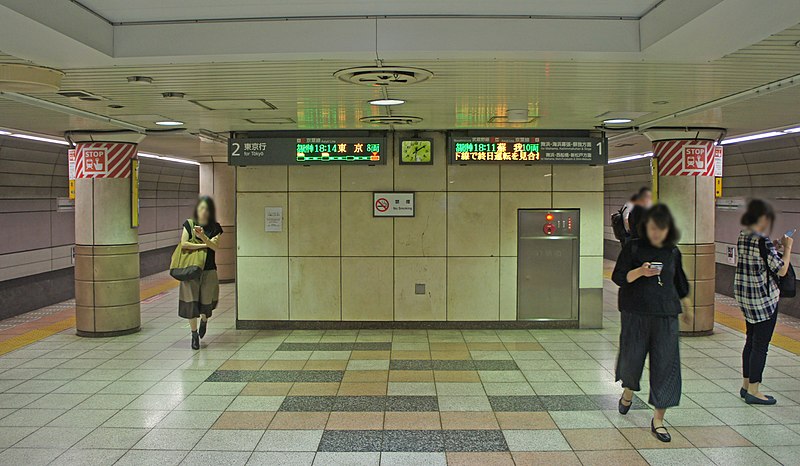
{"x":652,"y":283}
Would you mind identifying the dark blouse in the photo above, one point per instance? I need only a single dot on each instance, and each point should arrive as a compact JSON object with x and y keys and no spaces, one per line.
{"x":634,"y":218}
{"x":210,"y":231}
{"x":645,"y":295}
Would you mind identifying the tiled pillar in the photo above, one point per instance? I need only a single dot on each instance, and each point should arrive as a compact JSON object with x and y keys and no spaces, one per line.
{"x":106,"y":245}
{"x":218,"y":181}
{"x":686,"y":185}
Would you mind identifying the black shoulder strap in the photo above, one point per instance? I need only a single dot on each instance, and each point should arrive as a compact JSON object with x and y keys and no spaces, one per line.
{"x":764,"y":253}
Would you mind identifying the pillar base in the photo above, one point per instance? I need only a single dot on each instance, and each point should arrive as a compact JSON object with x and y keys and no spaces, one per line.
{"x":703,"y":333}
{"x":116,"y":333}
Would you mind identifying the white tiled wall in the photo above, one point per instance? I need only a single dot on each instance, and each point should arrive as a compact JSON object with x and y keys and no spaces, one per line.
{"x":334,"y":261}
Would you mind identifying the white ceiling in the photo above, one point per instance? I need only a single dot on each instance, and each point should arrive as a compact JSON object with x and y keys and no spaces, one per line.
{"x":122,"y":11}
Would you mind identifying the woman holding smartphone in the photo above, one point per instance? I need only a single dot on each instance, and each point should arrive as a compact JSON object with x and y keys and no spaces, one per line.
{"x":756,"y":290}
{"x":650,"y":275}
{"x":198,"y":298}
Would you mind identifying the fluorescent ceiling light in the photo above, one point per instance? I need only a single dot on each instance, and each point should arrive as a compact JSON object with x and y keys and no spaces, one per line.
{"x":792,"y":130}
{"x":4,"y":133}
{"x":169,"y":123}
{"x":753,"y":137}
{"x":39,"y":138}
{"x":386,"y":102}
{"x":628,"y":158}
{"x":617,"y":121}
{"x":168,"y":159}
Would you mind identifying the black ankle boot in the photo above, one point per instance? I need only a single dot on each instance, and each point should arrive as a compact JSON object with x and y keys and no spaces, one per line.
{"x":202,"y":330}
{"x":195,"y":340}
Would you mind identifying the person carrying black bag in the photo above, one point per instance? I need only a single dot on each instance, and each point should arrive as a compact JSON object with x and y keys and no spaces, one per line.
{"x":757,"y":290}
{"x":649,"y":272}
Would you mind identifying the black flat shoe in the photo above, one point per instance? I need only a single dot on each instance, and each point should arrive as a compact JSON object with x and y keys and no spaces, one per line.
{"x":664,"y":437}
{"x":623,"y":408}
{"x":202,"y":330}
{"x":195,"y":341}
{"x":743,"y":394}
{"x":754,"y":400}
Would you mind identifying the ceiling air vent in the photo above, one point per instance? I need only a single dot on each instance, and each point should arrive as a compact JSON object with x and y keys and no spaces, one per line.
{"x":383,"y":75}
{"x":81,"y":95}
{"x":390,"y":120}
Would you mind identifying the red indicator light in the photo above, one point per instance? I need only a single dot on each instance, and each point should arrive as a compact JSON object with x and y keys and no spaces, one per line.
{"x":549,"y":228}
{"x":549,"y":217}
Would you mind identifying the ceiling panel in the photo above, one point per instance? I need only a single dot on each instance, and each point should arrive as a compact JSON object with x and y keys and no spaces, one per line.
{"x":462,"y":94}
{"x":121,"y":11}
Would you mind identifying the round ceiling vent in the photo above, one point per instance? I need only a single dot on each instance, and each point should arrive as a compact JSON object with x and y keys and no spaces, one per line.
{"x":383,"y":75}
{"x":390,"y":120}
{"x":15,"y":77}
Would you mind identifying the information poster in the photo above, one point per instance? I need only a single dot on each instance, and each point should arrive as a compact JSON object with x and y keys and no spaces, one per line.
{"x":273,"y":219}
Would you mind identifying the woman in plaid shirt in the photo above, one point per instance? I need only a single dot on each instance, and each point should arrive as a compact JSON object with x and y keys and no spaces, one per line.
{"x":756,"y":290}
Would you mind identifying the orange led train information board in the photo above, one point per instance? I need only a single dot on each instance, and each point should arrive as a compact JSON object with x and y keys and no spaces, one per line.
{"x":527,"y":149}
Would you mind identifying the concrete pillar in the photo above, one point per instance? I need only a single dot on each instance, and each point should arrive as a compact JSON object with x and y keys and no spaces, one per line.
{"x":106,"y":245}
{"x":686,"y":184}
{"x":218,"y":181}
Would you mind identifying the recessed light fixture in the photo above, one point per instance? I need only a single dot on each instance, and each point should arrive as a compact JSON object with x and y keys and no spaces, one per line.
{"x":140,"y":80}
{"x":387,"y":102}
{"x":169,"y":123}
{"x":616,"y":121}
{"x":116,"y":106}
{"x":173,"y":95}
{"x":660,"y":102}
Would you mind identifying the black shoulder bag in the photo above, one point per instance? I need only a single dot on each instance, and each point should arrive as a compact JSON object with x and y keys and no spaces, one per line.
{"x":787,"y":284}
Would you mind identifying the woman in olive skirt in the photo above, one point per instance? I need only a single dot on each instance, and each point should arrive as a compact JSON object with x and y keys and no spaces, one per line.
{"x":198,"y":298}
{"x":652,"y":283}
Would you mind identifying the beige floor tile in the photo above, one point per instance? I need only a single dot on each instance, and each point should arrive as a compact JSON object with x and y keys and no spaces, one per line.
{"x":643,"y":438}
{"x":611,"y":458}
{"x":266,"y":389}
{"x":486,"y":346}
{"x":713,"y":436}
{"x":241,"y":365}
{"x":479,"y":459}
{"x":411,"y":354}
{"x":468,"y":420}
{"x":325,"y":365}
{"x":370,"y":354}
{"x":411,"y":421}
{"x":460,"y":355}
{"x":314,"y":389}
{"x":545,"y":458}
{"x":435,"y":346}
{"x":284,"y":365}
{"x":365,"y":376}
{"x":362,"y":389}
{"x":355,"y":421}
{"x":596,"y":439}
{"x":523,"y":346}
{"x":299,"y":421}
{"x":410,"y":376}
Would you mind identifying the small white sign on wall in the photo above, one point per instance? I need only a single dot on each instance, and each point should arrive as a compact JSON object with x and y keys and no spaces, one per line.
{"x":731,"y":255}
{"x":392,"y":204}
{"x":273,"y":219}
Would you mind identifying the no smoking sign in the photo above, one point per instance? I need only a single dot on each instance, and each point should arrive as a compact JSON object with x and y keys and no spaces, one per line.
{"x":393,"y":204}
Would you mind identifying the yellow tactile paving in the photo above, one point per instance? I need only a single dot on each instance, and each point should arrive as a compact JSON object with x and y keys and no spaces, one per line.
{"x":781,"y":341}
{"x":33,"y":336}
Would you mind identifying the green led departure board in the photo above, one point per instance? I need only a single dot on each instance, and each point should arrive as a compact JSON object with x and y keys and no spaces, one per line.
{"x":527,"y":149}
{"x":316,"y":150}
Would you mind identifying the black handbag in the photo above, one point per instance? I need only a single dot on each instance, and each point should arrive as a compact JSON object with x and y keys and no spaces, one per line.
{"x":787,"y":284}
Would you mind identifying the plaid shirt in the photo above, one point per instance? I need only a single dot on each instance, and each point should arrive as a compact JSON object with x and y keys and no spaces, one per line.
{"x":755,"y":289}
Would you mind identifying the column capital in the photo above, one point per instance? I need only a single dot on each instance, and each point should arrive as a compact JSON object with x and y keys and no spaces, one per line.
{"x":84,"y":136}
{"x":695,"y":134}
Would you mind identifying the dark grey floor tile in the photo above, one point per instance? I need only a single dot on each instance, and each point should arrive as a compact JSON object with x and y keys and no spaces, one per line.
{"x":612,"y":402}
{"x":360,"y":403}
{"x":567,"y":403}
{"x":274,"y":376}
{"x":410,"y":365}
{"x":351,"y":440}
{"x":319,"y":376}
{"x":230,"y":376}
{"x":373,"y":346}
{"x":474,"y":440}
{"x":501,"y":365}
{"x":308,"y":403}
{"x":453,"y":365}
{"x":516,"y":403}
{"x":413,"y":440}
{"x":297,"y":347}
{"x":334,"y":347}
{"x":412,"y":403}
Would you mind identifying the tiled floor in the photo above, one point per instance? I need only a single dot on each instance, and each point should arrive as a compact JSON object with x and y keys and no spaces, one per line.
{"x":375,"y":397}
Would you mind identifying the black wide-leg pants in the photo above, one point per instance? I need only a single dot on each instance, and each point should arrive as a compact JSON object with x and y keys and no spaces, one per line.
{"x":657,"y":336}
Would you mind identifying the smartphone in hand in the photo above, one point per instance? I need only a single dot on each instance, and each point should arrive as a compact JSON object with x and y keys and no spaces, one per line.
{"x":657,"y":265}
{"x":791,"y":232}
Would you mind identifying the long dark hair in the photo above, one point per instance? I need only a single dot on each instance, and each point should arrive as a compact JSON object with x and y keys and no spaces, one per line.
{"x":756,"y":209}
{"x":662,"y":217}
{"x":212,"y":210}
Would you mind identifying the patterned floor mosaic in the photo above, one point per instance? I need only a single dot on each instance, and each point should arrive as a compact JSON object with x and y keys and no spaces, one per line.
{"x":376,"y":397}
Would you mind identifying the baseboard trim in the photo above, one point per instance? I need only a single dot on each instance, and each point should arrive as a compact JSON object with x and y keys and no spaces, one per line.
{"x":406,"y":325}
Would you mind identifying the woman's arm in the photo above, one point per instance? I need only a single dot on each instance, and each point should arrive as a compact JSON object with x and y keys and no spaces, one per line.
{"x":186,"y":245}
{"x":625,"y":272}
{"x":787,"y":242}
{"x":681,"y":282}
{"x":211,"y":243}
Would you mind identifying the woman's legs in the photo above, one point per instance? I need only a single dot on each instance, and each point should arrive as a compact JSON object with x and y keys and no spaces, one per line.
{"x":632,"y":354}
{"x":761,"y":336}
{"x":746,"y":351}
{"x":665,"y":369}
{"x":193,"y":324}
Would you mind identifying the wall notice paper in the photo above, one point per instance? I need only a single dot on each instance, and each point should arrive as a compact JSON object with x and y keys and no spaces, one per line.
{"x":392,"y":204}
{"x":273,"y":219}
